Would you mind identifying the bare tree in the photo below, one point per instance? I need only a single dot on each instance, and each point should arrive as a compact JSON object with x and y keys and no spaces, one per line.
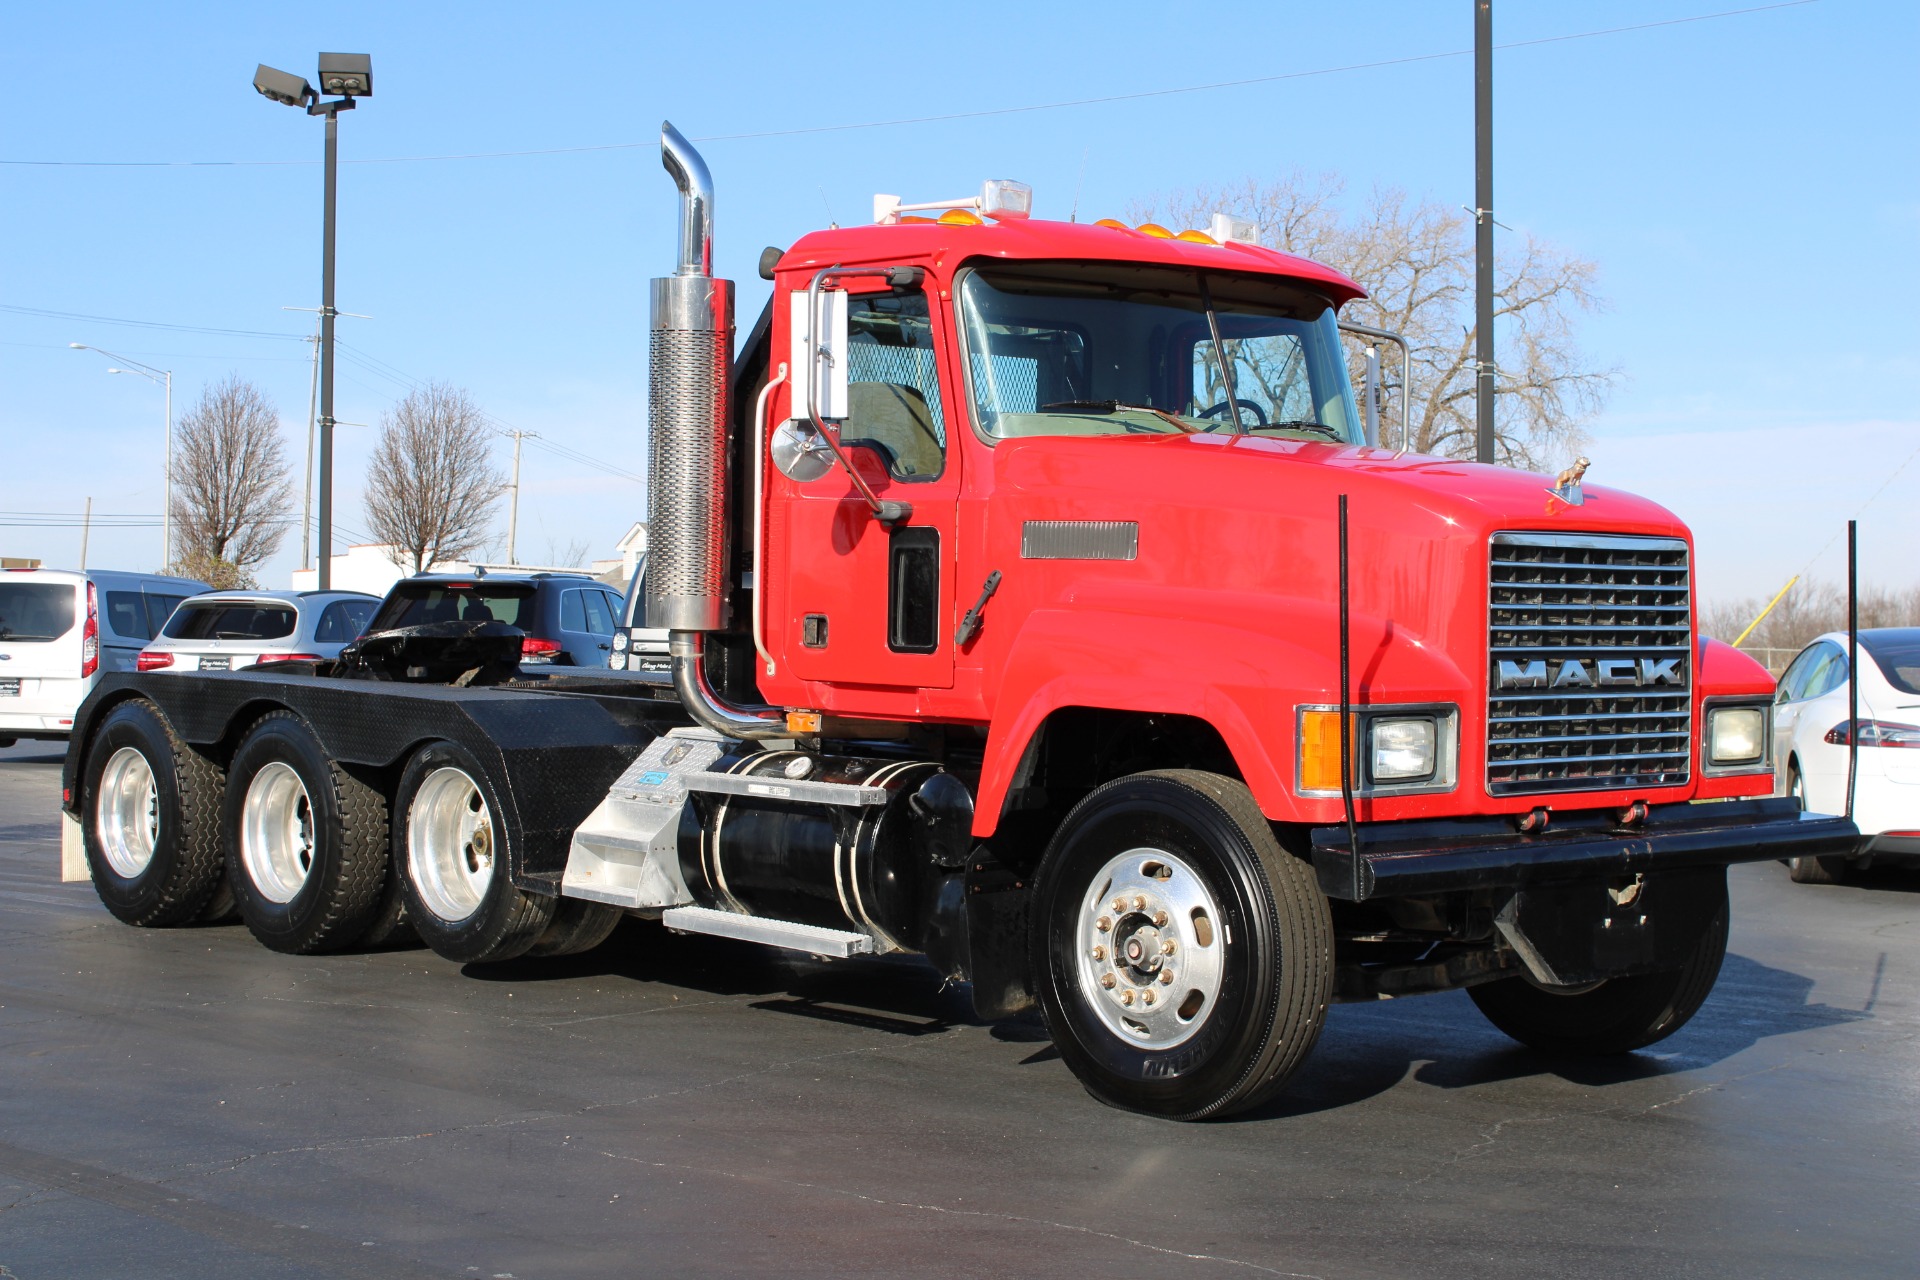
{"x":432,"y":486}
{"x":572,"y":556}
{"x":231,"y":493}
{"x":1807,"y":610}
{"x":1415,"y":259}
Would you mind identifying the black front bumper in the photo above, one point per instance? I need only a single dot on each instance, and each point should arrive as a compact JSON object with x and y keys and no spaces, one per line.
{"x":1400,"y":859}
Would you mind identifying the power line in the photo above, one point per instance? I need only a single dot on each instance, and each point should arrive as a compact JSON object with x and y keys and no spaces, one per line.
{"x":933,"y":119}
{"x":78,"y":317}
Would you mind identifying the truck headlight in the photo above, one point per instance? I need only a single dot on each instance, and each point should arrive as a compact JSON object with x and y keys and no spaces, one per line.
{"x":621,"y":640}
{"x":1402,"y":750}
{"x":1736,"y":735}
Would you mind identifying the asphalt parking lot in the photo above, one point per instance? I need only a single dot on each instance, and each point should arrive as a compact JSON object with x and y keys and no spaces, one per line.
{"x":185,"y":1102}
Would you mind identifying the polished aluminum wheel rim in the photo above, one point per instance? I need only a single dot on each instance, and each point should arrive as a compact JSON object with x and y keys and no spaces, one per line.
{"x":1151,"y":948}
{"x":450,"y":844}
{"x":127,"y":814}
{"x":276,"y":832}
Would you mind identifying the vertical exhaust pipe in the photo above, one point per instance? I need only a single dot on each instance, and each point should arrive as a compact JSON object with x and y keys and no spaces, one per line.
{"x":690,"y":351}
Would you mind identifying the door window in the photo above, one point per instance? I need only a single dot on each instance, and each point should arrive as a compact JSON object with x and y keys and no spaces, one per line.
{"x":893,"y":387}
{"x":342,"y":621}
{"x":599,"y":612}
{"x":1795,"y":677}
{"x":573,"y":611}
{"x":1829,"y":674}
{"x":159,"y":609}
{"x":127,"y":615}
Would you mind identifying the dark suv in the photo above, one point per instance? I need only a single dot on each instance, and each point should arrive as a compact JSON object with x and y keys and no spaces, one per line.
{"x":569,"y":618}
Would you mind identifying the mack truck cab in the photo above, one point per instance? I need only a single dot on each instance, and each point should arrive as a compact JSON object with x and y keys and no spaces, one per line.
{"x":1039,"y":598}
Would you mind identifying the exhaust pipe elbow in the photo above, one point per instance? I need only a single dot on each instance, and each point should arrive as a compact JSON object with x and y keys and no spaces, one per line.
{"x":690,"y":174}
{"x":687,"y":650}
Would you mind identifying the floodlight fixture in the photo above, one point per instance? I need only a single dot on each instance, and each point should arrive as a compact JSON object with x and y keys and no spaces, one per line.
{"x":283,"y":86}
{"x":348,"y":74}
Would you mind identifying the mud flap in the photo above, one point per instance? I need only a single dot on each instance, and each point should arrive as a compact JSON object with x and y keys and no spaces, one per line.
{"x":1590,"y":930}
{"x":997,"y":904}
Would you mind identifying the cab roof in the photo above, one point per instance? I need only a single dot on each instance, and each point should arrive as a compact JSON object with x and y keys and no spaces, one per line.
{"x":1039,"y":240}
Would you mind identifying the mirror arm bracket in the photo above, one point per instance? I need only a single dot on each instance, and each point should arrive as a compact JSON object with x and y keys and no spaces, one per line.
{"x":887,"y":513}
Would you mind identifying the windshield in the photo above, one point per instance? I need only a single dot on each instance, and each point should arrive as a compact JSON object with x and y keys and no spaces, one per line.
{"x":1109,"y":349}
{"x":1897,"y":651}
{"x":412,"y":604}
{"x":231,"y":620}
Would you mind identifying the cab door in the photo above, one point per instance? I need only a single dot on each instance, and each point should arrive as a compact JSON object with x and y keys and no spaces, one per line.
{"x":864,"y":603}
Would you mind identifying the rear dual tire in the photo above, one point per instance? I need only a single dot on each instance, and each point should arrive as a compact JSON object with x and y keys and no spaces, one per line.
{"x":446,"y":836}
{"x":305,"y":840}
{"x":150,"y":820}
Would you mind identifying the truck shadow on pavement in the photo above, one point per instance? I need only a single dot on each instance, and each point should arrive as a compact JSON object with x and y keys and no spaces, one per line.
{"x":1367,"y":1049}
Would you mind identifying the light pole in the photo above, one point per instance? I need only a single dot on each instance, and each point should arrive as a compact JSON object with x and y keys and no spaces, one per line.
{"x":165,"y":378}
{"x":351,"y":76}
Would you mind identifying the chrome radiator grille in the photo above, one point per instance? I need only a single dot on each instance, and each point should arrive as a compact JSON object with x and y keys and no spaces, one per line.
{"x":1590,"y":663}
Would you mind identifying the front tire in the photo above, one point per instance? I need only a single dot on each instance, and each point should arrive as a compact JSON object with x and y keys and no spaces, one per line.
{"x":149,"y":806}
{"x":1616,"y":1016}
{"x":1182,"y":958}
{"x":306,"y":841}
{"x":446,"y":835}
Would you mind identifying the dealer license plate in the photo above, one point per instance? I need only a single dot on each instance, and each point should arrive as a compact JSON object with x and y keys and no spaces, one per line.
{"x":222,"y":663}
{"x":10,"y":687}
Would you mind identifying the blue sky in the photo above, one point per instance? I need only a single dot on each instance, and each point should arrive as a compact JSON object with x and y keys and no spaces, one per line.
{"x":1747,"y":185}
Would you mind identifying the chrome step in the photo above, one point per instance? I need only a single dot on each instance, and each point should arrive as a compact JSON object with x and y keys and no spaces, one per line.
{"x":835,"y":944}
{"x":779,"y":788}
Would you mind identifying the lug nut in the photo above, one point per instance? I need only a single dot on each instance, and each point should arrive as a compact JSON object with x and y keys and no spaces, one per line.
{"x":1166,"y":977}
{"x":1139,"y":903}
{"x":1166,"y":946}
{"x":1099,"y":953}
{"x":1120,"y":905}
{"x":1126,"y":997}
{"x":1103,"y":924}
{"x":1146,"y":997}
{"x":1106,"y":980}
{"x":1160,"y":919}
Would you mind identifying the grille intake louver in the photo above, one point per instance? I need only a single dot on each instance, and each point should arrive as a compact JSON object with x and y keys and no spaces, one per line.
{"x":1590,"y":663}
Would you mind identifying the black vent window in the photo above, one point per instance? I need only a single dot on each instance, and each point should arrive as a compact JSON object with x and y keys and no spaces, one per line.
{"x":913,"y":591}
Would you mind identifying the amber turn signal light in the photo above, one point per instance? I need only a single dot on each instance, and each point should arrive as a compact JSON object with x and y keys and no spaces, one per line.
{"x":1320,"y":749}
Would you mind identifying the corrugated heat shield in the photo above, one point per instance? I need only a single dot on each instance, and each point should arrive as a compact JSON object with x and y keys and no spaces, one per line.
{"x":691,"y":347}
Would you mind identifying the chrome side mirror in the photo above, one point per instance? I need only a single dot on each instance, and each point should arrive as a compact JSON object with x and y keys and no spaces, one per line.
{"x":799,"y":452}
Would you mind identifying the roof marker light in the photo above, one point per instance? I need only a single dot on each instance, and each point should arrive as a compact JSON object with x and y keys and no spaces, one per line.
{"x":959,"y":218}
{"x":1227,"y":229}
{"x":1001,"y":199}
{"x":1155,"y":230}
{"x":1196,"y":237}
{"x":1113,"y":224}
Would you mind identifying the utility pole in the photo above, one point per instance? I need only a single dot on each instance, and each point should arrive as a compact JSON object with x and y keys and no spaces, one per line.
{"x":306,"y":488}
{"x":513,"y":508}
{"x":86,"y":527}
{"x":326,"y":343}
{"x":1483,"y":227}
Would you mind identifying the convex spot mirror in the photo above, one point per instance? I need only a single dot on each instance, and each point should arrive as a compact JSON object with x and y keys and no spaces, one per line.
{"x":799,"y":452}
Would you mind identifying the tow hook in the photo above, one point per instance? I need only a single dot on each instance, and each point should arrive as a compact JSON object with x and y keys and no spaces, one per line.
{"x":1624,"y":894}
{"x":1633,"y":815}
{"x":1534,"y":821}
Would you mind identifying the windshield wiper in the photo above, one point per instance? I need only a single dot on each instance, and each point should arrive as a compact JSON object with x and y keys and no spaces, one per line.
{"x":1304,"y":424}
{"x":1104,"y":407}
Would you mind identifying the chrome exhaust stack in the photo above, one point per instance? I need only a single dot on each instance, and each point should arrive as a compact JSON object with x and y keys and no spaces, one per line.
{"x":690,"y":353}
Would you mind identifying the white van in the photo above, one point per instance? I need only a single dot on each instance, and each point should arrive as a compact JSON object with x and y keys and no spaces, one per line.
{"x":61,"y":628}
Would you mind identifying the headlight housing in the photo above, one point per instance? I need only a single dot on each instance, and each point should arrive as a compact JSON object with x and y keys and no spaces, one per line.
{"x":1402,"y":750}
{"x":621,"y":640}
{"x":1397,"y":750}
{"x":1737,"y":738}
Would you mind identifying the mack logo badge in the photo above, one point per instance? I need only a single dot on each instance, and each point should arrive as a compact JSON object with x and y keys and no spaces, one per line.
{"x":1573,"y":673}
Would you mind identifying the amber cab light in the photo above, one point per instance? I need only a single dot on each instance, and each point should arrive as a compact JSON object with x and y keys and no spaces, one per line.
{"x":152,"y":660}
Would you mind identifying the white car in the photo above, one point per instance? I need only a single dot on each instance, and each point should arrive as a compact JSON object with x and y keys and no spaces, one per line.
{"x":226,"y":630}
{"x":1810,"y":745}
{"x":61,"y":629}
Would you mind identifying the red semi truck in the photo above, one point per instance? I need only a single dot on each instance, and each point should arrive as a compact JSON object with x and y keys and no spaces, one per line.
{"x":1040,"y":602}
